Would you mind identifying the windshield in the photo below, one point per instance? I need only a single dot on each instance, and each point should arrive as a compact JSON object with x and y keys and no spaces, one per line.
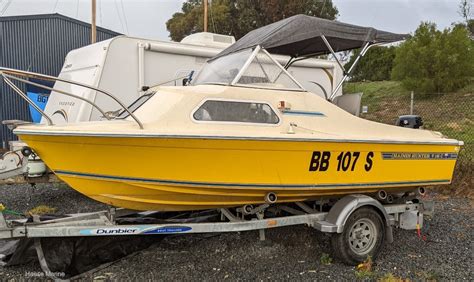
{"x":249,"y":67}
{"x":267,"y":73}
{"x":223,"y":70}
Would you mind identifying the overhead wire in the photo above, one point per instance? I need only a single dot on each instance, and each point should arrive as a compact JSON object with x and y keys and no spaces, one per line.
{"x":124,"y":16}
{"x":100,"y":12}
{"x":5,"y":8}
{"x":55,"y":6}
{"x":119,"y":16}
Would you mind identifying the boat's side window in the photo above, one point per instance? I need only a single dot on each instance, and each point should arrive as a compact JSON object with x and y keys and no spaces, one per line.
{"x":234,"y":111}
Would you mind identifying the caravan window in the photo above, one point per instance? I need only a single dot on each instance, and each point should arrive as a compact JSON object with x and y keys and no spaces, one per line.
{"x":236,"y":111}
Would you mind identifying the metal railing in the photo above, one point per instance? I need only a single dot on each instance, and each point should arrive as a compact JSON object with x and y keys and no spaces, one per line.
{"x":11,"y":74}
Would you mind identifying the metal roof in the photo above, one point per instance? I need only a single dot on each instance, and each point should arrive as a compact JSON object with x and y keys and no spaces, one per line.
{"x":37,"y":43}
{"x":57,"y":16}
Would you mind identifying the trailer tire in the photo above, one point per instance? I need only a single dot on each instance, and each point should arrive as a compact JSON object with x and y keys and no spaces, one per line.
{"x":363,"y":236}
{"x":26,"y":151}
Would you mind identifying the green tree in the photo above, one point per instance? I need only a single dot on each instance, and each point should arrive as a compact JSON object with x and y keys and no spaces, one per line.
{"x":191,"y":18}
{"x":238,"y":17}
{"x":465,"y":10}
{"x":435,"y":61}
{"x":375,"y":66}
{"x":470,"y":26}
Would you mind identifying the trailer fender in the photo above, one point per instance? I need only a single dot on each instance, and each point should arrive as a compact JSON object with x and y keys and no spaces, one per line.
{"x":344,"y":207}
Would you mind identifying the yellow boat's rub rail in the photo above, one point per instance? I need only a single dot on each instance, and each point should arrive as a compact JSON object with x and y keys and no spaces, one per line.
{"x":254,"y":185}
{"x":218,"y":137}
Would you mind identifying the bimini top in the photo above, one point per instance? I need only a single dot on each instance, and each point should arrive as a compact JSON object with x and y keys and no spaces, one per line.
{"x":302,"y":35}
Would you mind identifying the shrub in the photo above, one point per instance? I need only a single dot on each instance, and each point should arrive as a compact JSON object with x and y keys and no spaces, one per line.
{"x":375,"y":66}
{"x":434,"y":61}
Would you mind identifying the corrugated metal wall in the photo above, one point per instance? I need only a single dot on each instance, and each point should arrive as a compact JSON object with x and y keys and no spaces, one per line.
{"x":37,"y":43}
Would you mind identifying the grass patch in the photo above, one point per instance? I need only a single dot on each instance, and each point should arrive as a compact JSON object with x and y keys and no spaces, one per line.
{"x":42,"y":209}
{"x":375,"y":90}
{"x":389,"y":277}
{"x":325,"y":259}
{"x":364,"y":270}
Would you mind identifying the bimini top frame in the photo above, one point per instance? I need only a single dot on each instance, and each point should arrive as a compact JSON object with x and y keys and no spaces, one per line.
{"x":12,"y":74}
{"x":231,"y":69}
{"x":254,"y":54}
{"x":301,"y":37}
{"x":346,"y":73}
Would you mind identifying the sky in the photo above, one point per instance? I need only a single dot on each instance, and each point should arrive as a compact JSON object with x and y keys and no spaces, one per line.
{"x":147,"y":18}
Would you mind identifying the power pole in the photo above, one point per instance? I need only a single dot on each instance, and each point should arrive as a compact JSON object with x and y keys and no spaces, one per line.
{"x":93,"y":25}
{"x":205,"y":15}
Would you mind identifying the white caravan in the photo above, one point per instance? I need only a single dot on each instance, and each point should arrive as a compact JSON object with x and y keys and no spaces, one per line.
{"x":125,"y":66}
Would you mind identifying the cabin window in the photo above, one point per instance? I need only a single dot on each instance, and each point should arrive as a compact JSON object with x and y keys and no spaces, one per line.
{"x":235,"y":111}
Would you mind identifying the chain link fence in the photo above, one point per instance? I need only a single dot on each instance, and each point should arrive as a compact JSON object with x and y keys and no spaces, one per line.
{"x":451,"y":114}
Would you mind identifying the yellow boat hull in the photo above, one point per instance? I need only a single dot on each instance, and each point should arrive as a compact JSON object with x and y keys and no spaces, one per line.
{"x":177,"y":174}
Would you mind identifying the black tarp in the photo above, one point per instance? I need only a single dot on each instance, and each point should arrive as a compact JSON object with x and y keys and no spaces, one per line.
{"x":72,"y":256}
{"x":300,"y":35}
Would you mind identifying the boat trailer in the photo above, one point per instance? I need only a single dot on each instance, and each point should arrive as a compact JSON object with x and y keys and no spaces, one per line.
{"x":358,"y":235}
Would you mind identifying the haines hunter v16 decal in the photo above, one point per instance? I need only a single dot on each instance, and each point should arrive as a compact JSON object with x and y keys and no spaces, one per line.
{"x":419,"y":156}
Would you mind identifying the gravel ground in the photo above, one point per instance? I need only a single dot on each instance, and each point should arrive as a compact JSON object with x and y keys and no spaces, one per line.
{"x":288,"y":253}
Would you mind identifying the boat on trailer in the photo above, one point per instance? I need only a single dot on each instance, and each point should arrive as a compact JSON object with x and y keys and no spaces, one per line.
{"x":245,"y":139}
{"x":148,"y":63}
{"x":245,"y":132}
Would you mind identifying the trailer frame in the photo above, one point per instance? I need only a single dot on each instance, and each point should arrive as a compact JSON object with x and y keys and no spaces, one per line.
{"x":103,"y":223}
{"x":407,"y":215}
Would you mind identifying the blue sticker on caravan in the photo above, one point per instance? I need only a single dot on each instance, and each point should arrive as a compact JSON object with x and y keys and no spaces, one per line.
{"x":39,"y":96}
{"x":168,"y":229}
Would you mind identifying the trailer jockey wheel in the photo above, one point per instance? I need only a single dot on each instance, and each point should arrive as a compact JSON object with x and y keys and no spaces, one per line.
{"x":363,"y":236}
{"x":26,"y":151}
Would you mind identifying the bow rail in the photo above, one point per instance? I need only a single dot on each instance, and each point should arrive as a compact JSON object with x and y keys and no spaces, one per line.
{"x":11,"y":74}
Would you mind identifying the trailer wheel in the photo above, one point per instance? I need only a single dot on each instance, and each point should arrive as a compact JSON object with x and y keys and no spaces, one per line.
{"x":363,"y":236}
{"x":26,"y":151}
